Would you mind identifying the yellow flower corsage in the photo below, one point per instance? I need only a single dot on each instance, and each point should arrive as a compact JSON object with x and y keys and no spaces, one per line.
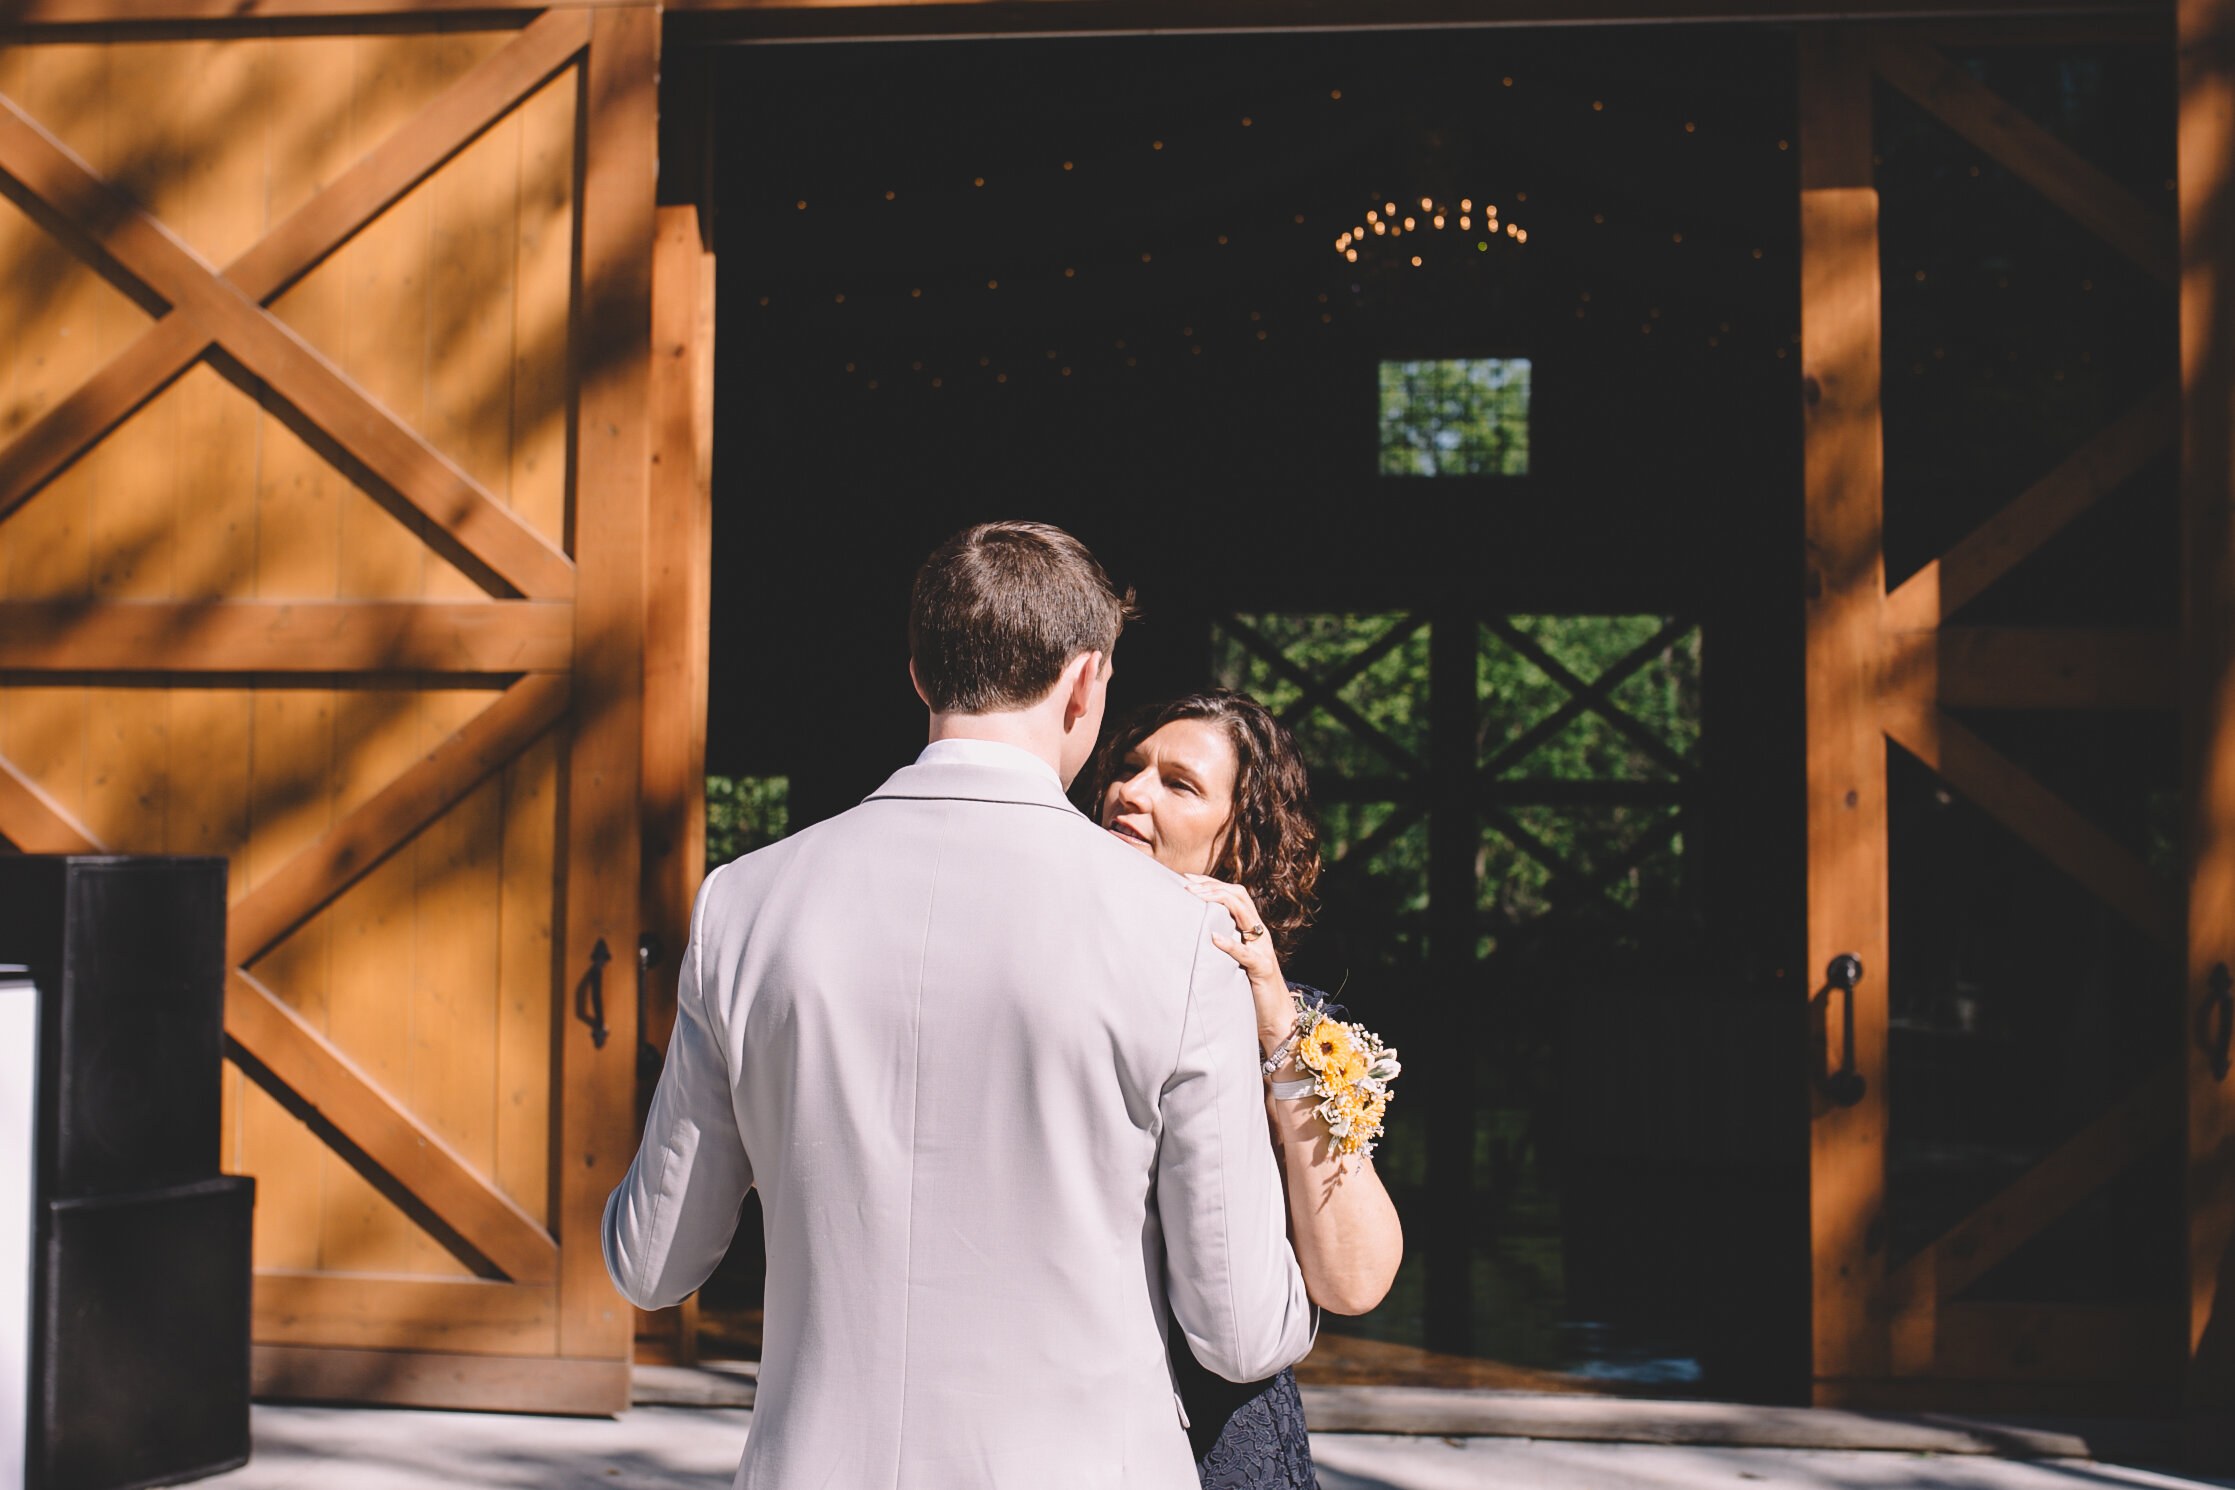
{"x":1351,"y":1070}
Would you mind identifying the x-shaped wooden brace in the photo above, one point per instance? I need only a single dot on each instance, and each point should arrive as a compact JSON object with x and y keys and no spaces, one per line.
{"x":1920,"y":656}
{"x":204,"y":312}
{"x":221,"y":315}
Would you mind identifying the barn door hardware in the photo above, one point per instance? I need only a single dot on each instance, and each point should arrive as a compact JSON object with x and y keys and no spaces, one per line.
{"x":1845,"y":1086}
{"x":589,"y":995}
{"x":2215,"y":1020}
{"x":648,"y":1056}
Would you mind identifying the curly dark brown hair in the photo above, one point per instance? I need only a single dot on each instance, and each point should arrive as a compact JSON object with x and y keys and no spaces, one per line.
{"x":1271,"y":848}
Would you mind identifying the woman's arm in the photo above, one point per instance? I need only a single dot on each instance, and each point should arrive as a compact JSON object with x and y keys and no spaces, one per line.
{"x":1344,"y":1226}
{"x":1342,"y":1223}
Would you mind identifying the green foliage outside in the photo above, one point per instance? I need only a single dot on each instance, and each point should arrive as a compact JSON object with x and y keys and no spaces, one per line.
{"x":744,"y":813}
{"x":1624,"y":855}
{"x":1455,"y":417}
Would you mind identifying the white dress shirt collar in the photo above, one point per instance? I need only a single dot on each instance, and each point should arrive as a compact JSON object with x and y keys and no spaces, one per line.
{"x":987,"y":753}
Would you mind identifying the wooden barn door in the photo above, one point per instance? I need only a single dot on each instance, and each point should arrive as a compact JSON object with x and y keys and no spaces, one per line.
{"x":323,"y":472}
{"x":1882,"y":666}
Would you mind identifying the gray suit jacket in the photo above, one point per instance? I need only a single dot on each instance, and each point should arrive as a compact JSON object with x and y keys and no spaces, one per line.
{"x":1001,"y":1098}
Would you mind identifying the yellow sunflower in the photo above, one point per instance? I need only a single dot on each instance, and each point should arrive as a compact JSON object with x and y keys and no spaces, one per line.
{"x":1334,"y":1053}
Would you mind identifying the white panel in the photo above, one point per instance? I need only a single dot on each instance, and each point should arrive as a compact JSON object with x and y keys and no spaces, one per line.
{"x":19,"y":1178}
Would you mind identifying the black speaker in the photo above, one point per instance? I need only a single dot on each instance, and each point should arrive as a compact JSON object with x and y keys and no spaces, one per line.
{"x":129,"y":956}
{"x":143,"y":1325}
{"x":137,"y":1349}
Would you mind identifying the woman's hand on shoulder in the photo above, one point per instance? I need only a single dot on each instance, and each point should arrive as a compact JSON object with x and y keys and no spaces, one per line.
{"x":1252,"y":948}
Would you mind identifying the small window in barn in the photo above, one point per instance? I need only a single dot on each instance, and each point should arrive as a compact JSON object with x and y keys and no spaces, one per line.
{"x":1455,"y":417}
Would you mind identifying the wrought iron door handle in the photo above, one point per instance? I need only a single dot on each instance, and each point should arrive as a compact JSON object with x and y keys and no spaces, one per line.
{"x":1845,"y":1085}
{"x":2215,"y":1020}
{"x":589,"y":995}
{"x":649,"y":1057}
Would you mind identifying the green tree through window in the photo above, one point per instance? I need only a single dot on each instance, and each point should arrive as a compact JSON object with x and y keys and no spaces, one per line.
{"x":1458,"y":417}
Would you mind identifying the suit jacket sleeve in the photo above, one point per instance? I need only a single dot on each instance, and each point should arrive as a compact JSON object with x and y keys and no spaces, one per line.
{"x":670,"y":1222}
{"x":1233,"y":1282}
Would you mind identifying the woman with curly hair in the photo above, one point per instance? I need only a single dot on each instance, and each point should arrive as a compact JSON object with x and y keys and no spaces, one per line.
{"x":1210,"y":786}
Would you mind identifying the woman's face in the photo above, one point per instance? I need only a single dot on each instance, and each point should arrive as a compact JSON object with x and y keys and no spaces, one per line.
{"x":1172,"y":796}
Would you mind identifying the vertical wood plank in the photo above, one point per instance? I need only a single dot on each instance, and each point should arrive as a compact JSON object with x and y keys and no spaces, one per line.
{"x":296,"y":551}
{"x":453,"y":992}
{"x":544,"y":307}
{"x":527,"y":976}
{"x":612,"y":464}
{"x":373,"y":969}
{"x":300,"y":498}
{"x":676,"y":603}
{"x":2207,"y":207}
{"x":1844,"y":585}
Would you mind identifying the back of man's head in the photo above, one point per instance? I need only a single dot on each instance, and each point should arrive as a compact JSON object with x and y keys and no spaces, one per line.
{"x":998,"y":611}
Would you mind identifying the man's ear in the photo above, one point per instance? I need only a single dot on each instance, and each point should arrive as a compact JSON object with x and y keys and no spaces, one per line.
{"x":1083,"y":676}
{"x":918,"y":682}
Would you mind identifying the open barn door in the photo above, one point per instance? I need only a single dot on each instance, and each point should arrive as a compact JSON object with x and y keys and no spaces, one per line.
{"x":1895,"y":686}
{"x":322,"y":510}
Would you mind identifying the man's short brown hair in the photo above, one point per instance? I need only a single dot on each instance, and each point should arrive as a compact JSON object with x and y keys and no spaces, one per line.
{"x":1000,"y":609}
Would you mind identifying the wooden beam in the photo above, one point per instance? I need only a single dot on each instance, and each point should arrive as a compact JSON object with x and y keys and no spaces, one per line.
{"x":314,"y":230}
{"x":2037,"y":815}
{"x":386,"y":821}
{"x":2001,"y":1342}
{"x":392,"y":1313}
{"x":37,"y":824}
{"x":2032,"y":154}
{"x":596,"y":1100}
{"x":286,"y":636}
{"x":2085,"y":477}
{"x":1843,"y":584}
{"x":2206,"y":175}
{"x":2144,"y":1119}
{"x":426,"y":1378}
{"x":807,"y":19}
{"x":2035,"y":667}
{"x":677,"y":599}
{"x":312,"y":1078}
{"x":273,"y":362}
{"x":95,"y":407}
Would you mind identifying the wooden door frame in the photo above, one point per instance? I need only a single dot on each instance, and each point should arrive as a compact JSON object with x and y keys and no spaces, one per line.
{"x":2207,"y":247}
{"x":571,"y":632}
{"x":1882,"y":666}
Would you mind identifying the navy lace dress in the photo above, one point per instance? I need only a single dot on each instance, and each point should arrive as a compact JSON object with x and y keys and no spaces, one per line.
{"x":1246,"y":1435}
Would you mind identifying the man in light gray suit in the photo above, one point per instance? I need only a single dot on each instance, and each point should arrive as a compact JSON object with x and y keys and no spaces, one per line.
{"x":998,"y":1090}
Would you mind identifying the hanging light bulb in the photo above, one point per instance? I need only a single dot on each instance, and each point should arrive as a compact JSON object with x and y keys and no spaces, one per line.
{"x":1426,"y":204}
{"x":1466,"y":204}
{"x":1352,"y":255}
{"x":1372,"y":216}
{"x":1439,"y":219}
{"x":1464,"y":224}
{"x":1408,"y":224}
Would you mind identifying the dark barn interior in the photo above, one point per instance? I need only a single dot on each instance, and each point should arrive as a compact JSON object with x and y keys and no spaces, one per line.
{"x":1103,"y":282}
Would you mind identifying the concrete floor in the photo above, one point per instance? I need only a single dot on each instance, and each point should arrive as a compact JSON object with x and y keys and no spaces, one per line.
{"x":673,"y":1448}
